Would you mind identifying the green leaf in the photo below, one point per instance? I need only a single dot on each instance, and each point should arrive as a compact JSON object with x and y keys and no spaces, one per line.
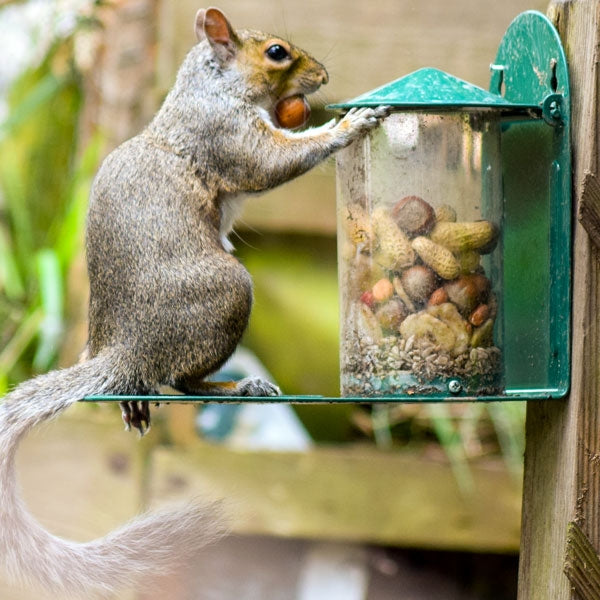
{"x":39,"y":95}
{"x":11,"y":283}
{"x":39,"y":146}
{"x":52,"y":300}
{"x":17,"y":211}
{"x":68,"y":240}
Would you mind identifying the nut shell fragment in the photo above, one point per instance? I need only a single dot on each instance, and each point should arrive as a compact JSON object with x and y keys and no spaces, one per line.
{"x":448,"y":314}
{"x":367,"y":325}
{"x":358,"y":225}
{"x":483,"y":336}
{"x":399,"y":289}
{"x":424,"y":326}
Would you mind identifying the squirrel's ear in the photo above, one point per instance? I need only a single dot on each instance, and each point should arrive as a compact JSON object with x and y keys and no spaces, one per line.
{"x":219,"y":33}
{"x":199,"y":24}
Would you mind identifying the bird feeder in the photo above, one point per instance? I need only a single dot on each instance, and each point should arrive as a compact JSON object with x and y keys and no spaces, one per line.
{"x":454,"y":232}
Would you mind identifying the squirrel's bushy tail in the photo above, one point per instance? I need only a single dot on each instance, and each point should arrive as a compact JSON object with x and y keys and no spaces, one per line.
{"x":147,"y":546}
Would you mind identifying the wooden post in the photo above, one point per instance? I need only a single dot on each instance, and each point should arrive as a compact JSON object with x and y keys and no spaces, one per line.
{"x":560,"y":536}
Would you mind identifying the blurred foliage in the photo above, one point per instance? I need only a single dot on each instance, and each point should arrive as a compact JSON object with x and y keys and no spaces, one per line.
{"x":44,"y":184}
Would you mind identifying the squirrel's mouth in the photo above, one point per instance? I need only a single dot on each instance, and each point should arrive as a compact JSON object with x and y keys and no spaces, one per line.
{"x":292,"y":112}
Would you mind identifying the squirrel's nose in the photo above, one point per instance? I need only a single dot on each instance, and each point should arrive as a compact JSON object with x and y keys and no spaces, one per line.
{"x":324,"y":77}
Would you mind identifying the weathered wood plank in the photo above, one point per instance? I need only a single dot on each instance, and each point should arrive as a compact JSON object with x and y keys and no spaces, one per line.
{"x":355,"y":494}
{"x":82,"y":475}
{"x":562,"y":474}
{"x":582,"y":564}
{"x":589,"y":208}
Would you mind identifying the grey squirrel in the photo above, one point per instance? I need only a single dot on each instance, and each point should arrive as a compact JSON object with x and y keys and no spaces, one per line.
{"x":168,"y":301}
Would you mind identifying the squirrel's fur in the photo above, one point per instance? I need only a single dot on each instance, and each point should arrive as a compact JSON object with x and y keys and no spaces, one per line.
{"x":168,"y":302}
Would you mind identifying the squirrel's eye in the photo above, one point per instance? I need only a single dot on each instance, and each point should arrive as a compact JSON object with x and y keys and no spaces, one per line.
{"x":277,"y":52}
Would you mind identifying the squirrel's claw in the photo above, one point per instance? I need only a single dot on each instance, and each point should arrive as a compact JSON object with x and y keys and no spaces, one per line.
{"x":126,"y":415}
{"x":136,"y":414}
{"x":359,"y":120}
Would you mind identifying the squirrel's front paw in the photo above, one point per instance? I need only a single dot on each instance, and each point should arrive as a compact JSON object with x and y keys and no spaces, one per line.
{"x":255,"y":386}
{"x":358,"y":121}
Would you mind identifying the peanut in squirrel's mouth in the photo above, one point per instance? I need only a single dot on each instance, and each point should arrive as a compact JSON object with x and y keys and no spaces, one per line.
{"x":292,"y":112}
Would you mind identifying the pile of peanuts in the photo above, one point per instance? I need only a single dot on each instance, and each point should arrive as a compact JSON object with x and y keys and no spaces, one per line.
{"x":415,"y":273}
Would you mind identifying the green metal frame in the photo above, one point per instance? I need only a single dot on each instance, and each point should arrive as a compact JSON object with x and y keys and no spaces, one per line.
{"x":529,"y":82}
{"x":531,"y":67}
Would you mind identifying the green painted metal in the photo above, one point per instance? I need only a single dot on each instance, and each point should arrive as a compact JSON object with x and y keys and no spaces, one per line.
{"x":530,"y":63}
{"x":431,"y":88}
{"x":545,"y":394}
{"x":530,"y":87}
{"x":530,"y":66}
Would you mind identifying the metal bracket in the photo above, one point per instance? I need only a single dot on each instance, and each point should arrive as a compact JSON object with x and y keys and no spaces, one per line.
{"x":531,"y":68}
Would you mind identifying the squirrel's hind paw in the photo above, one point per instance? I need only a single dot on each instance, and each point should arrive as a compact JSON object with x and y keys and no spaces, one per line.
{"x":255,"y":386}
{"x":136,"y":414}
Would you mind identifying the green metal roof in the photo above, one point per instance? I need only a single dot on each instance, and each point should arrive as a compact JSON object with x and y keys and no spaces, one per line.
{"x":430,"y":88}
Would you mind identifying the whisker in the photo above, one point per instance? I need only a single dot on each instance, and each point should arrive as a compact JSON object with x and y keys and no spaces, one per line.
{"x":244,"y":241}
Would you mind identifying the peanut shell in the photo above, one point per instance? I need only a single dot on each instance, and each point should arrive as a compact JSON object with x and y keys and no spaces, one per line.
{"x":363,"y":272}
{"x":445,"y":213}
{"x":469,"y":261}
{"x":459,"y":237}
{"x":439,"y":258}
{"x":394,"y":251}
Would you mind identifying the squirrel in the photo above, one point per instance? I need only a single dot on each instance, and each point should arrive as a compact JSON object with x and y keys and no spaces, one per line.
{"x":168,"y":301}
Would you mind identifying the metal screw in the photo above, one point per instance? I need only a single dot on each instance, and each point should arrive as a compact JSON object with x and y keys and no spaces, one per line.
{"x":554,"y":110}
{"x":454,"y":386}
